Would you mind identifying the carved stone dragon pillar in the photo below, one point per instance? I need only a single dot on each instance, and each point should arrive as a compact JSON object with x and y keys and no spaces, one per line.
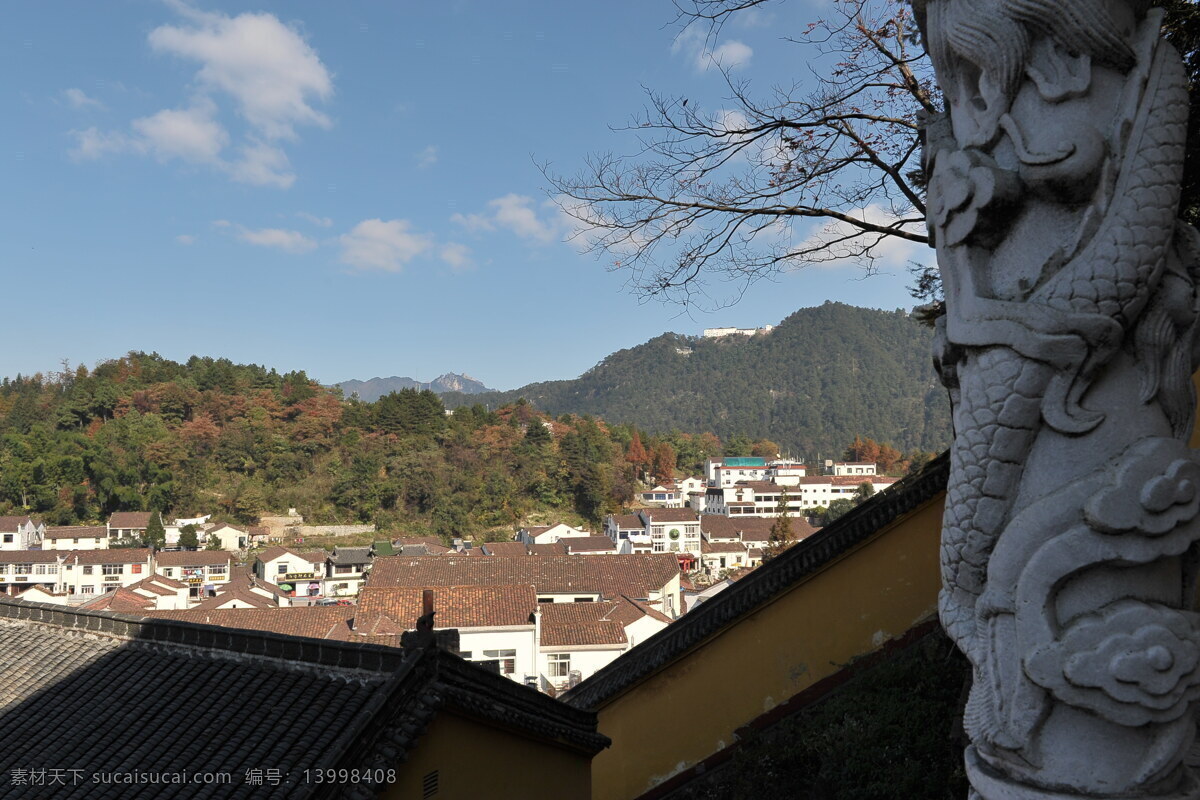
{"x":1069,"y":544}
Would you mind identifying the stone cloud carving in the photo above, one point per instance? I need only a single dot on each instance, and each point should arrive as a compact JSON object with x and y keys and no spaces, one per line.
{"x":1069,"y":545}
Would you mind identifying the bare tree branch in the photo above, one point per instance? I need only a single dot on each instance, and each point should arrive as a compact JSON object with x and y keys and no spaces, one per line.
{"x":715,"y":194}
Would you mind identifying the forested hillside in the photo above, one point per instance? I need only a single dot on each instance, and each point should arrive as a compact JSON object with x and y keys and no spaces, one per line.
{"x":210,"y":436}
{"x":822,"y":377}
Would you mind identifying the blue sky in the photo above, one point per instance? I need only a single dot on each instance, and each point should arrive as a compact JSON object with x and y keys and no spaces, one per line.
{"x":346,"y":188}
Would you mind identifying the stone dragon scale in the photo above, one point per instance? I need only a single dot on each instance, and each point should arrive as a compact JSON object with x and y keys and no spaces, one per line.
{"x":1069,"y":545}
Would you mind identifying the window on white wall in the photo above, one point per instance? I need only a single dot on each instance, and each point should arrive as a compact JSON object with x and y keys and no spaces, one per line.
{"x":507,"y":659}
{"x":560,"y":665}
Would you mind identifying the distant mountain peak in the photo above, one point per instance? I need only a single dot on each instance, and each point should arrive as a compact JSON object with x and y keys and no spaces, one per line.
{"x":375,"y":388}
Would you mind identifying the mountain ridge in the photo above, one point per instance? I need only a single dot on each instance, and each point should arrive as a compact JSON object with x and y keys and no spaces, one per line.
{"x":824,"y":375}
{"x":371,"y":390}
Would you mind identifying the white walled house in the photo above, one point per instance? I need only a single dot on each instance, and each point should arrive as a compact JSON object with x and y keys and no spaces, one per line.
{"x":202,"y":571}
{"x":76,"y":537}
{"x":672,"y":530}
{"x":628,"y":532}
{"x":21,"y":533}
{"x":549,"y":534}
{"x":86,"y":573}
{"x":346,"y":570}
{"x":20,"y":569}
{"x":853,"y":467}
{"x":495,"y":623}
{"x":230,"y":537}
{"x":578,"y":639}
{"x":662,"y":495}
{"x":298,"y":572}
{"x":40,"y":593}
{"x":128,"y":525}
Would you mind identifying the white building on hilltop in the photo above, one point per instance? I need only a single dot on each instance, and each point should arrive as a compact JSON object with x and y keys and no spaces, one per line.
{"x":717,"y":333}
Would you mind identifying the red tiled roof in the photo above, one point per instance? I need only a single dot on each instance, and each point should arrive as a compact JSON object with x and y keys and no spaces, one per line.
{"x":627,"y":521}
{"x":129,"y":519}
{"x":749,"y":529}
{"x":632,"y":574}
{"x":456,"y":606}
{"x":722,"y":547}
{"x":192,"y":558}
{"x":121,"y":555}
{"x":549,"y":549}
{"x":121,"y":600}
{"x":580,"y":625}
{"x":506,"y":548}
{"x":77,"y":532}
{"x":317,"y":622}
{"x":29,"y":556}
{"x":10,"y":524}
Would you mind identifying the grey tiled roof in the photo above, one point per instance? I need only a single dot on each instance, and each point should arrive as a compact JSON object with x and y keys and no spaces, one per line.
{"x":762,"y":585}
{"x":111,"y":693}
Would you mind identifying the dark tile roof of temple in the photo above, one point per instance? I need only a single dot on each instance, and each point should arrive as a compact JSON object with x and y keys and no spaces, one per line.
{"x":110,"y":693}
{"x":763,"y":584}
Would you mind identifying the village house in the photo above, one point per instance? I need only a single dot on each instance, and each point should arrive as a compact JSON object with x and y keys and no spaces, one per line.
{"x":345,"y":570}
{"x":590,"y":545}
{"x":852,"y":467}
{"x":496,"y":623}
{"x":578,"y":639}
{"x":230,"y":538}
{"x":152,"y":593}
{"x":175,"y":527}
{"x":20,"y":533}
{"x":628,"y":533}
{"x":400,"y":717}
{"x":85,"y":573}
{"x":41,"y":593}
{"x":297,"y":572}
{"x":128,"y":525}
{"x":76,"y":537}
{"x":20,"y":569}
{"x":202,"y":571}
{"x":548,"y":534}
{"x":663,"y":495}
{"x":653,"y":578}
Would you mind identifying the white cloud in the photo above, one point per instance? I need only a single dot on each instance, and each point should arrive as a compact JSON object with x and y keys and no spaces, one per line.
{"x":94,"y":143}
{"x":262,"y":164}
{"x":190,"y":134}
{"x":222,"y":223}
{"x":427,"y":157}
{"x":264,"y":65}
{"x":288,"y":241}
{"x":891,"y":254}
{"x":694,"y":45}
{"x":456,"y":256}
{"x":271,"y":74}
{"x":514,"y":213}
{"x":185,"y":239}
{"x":731,"y":54}
{"x":322,"y":222}
{"x":76,"y":98}
{"x":384,"y":245}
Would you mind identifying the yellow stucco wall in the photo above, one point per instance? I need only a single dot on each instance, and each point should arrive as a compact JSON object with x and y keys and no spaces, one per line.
{"x":476,"y":760}
{"x":689,"y":710}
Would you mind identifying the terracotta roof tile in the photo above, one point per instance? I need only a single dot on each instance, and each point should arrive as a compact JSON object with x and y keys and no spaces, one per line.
{"x":589,"y":544}
{"x":505,"y":548}
{"x":77,"y":532}
{"x":121,"y":555}
{"x":633,"y":574}
{"x":456,"y":606}
{"x":129,"y":519}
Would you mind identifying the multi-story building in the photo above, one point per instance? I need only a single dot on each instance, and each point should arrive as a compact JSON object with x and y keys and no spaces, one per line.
{"x":346,"y":570}
{"x":85,"y":573}
{"x":76,"y":537}
{"x":297,"y":572}
{"x":128,"y":525}
{"x":20,"y":569}
{"x":203,"y":571}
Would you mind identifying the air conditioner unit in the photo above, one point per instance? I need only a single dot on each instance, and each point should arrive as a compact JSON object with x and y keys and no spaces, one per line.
{"x":574,"y":677}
